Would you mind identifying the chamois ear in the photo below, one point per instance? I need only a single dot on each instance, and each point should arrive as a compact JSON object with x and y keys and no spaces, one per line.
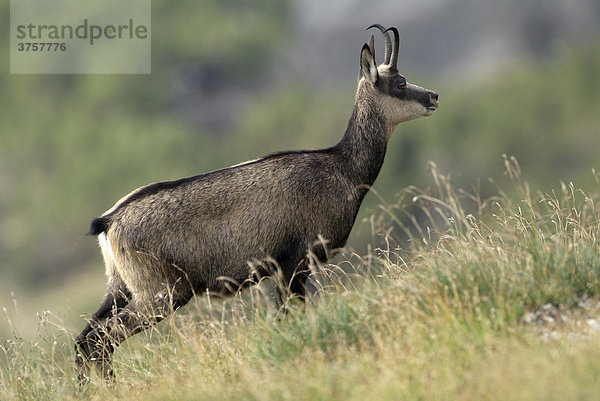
{"x":368,"y":69}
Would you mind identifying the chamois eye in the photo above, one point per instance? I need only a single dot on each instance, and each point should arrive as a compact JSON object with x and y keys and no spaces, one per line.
{"x":401,"y":83}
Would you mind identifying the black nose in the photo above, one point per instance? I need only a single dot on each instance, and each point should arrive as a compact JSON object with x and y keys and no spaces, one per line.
{"x":434,"y":96}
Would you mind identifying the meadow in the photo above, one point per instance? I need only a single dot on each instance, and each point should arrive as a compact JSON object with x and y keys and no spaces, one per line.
{"x":483,"y":299}
{"x":71,"y":145}
{"x":456,"y":287}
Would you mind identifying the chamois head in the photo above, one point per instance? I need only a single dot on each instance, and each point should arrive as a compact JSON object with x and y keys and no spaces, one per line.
{"x":396,"y":99}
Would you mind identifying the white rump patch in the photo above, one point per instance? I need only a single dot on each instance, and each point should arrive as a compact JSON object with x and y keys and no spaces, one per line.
{"x":107,"y":252}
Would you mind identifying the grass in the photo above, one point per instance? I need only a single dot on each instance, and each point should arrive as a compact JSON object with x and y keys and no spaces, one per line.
{"x":440,"y":317}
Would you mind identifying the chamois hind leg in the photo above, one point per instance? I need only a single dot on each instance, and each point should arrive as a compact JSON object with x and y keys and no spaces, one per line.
{"x":115,"y":299}
{"x":136,"y":316}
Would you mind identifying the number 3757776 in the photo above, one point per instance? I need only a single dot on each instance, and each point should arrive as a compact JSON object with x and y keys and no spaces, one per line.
{"x":41,"y":46}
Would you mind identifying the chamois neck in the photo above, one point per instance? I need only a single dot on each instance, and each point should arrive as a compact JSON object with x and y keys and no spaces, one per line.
{"x":364,"y":143}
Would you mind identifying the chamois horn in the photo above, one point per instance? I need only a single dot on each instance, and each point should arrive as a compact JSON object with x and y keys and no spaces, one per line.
{"x":393,"y":63}
{"x":388,"y":42}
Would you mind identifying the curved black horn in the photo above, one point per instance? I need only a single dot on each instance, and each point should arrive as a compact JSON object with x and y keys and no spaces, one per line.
{"x":388,"y":42}
{"x":394,"y":58}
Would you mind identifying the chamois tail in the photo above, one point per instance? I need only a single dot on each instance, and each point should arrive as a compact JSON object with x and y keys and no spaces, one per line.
{"x":99,"y":225}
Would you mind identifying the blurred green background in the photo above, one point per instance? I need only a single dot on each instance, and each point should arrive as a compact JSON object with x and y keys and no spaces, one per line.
{"x":234,"y":80}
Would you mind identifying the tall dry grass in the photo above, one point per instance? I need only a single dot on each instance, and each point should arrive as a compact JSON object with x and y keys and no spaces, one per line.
{"x":435,"y":313}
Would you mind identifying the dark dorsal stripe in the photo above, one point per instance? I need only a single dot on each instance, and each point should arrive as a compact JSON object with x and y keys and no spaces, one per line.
{"x":101,"y":224}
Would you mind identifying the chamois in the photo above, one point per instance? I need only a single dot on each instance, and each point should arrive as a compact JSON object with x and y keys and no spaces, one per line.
{"x":214,"y":232}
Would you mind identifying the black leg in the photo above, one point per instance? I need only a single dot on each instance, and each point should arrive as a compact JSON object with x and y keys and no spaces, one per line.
{"x":298,"y":284}
{"x":133,"y":318}
{"x":116,"y":298}
{"x":294,"y":286}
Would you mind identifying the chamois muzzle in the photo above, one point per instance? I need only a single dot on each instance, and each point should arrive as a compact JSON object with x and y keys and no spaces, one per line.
{"x":433,"y":98}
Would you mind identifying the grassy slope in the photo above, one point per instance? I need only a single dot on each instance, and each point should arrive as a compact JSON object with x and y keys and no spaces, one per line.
{"x":441,"y":318}
{"x":58,"y":165}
